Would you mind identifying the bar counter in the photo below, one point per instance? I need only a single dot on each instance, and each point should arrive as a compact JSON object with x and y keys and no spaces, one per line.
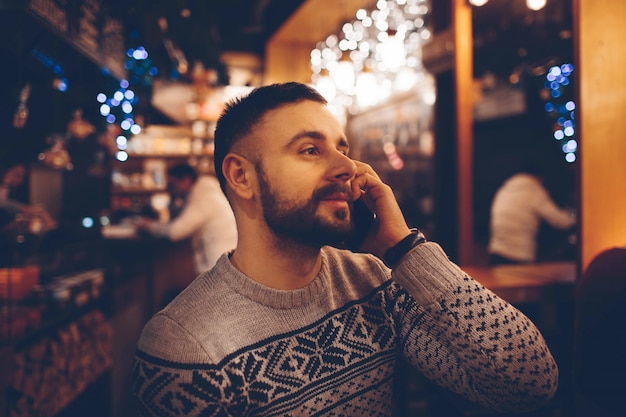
{"x":533,"y":283}
{"x":51,"y":366}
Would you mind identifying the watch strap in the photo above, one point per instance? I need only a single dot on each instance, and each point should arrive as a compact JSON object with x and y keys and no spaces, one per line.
{"x":393,"y":255}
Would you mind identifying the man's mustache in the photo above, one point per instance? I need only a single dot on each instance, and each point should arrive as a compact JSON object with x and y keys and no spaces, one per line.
{"x":330,"y":189}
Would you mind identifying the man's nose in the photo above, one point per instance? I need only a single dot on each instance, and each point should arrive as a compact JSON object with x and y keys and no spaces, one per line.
{"x":343,"y":168}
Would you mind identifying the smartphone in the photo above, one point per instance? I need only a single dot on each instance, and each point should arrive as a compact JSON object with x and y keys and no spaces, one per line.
{"x":363,"y":219}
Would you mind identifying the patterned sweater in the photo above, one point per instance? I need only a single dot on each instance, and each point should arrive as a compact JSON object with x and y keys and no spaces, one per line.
{"x":229,"y":346}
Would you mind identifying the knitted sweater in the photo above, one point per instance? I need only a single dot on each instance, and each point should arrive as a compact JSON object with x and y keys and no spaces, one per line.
{"x":229,"y":346}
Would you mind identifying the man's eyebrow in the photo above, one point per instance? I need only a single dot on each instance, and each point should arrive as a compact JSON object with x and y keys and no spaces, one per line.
{"x":310,"y":134}
{"x":315,"y":135}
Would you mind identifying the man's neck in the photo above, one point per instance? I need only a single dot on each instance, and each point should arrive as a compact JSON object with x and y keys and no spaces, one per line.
{"x":277,"y":264}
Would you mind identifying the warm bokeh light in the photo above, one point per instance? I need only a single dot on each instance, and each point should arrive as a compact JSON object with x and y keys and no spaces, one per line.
{"x":535,"y":4}
{"x":374,"y":56}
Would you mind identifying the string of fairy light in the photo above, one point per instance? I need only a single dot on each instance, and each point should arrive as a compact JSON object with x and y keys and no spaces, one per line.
{"x":119,"y":106}
{"x":560,"y":107}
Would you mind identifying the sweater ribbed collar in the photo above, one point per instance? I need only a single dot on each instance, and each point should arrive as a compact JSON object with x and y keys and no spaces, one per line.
{"x":271,"y":297}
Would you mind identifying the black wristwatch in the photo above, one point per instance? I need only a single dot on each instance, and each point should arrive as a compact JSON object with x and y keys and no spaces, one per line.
{"x":393,"y":255}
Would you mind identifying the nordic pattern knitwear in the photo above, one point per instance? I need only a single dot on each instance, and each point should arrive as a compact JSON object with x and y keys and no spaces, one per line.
{"x":229,"y":346}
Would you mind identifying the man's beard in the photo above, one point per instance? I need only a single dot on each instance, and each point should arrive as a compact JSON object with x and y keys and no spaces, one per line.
{"x":301,"y":223}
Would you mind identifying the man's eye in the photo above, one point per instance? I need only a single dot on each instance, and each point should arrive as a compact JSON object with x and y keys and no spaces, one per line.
{"x":310,"y":151}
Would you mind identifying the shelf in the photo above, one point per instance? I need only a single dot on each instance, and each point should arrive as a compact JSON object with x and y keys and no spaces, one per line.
{"x":143,"y":176}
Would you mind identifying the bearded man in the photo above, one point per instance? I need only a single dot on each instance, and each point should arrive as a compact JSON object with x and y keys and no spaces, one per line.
{"x":290,"y":323}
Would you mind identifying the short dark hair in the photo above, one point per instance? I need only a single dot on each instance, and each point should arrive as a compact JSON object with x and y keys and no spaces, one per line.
{"x":240,"y":115}
{"x":179,"y":171}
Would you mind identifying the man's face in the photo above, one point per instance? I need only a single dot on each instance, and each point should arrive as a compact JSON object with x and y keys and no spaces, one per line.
{"x":300,"y":220}
{"x":304,"y":174}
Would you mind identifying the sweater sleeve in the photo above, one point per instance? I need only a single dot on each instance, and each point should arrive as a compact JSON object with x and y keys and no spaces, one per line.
{"x":467,"y":339}
{"x":173,"y":375}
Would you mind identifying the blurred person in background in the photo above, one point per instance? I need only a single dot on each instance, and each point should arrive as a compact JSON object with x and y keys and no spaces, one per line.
{"x":14,"y":208}
{"x":205,"y":216}
{"x":518,"y":208}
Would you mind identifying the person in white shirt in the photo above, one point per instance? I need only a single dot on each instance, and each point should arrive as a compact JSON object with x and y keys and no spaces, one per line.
{"x":518,"y":208}
{"x":206,"y":216}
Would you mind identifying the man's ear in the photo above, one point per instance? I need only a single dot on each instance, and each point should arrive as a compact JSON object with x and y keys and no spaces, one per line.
{"x":238,"y":172}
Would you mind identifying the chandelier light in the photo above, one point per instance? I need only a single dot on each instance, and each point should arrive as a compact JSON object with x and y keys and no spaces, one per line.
{"x":531,"y":4}
{"x":366,"y":88}
{"x":326,"y":86}
{"x":535,"y":4}
{"x":374,"y":56}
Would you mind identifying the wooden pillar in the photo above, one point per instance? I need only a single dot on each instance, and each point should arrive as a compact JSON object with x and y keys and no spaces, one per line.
{"x":600,"y":59}
{"x":463,"y":79}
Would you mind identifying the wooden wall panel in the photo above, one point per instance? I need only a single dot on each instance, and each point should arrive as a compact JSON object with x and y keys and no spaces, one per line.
{"x":287,"y":53}
{"x":287,"y":61}
{"x":601,"y":84}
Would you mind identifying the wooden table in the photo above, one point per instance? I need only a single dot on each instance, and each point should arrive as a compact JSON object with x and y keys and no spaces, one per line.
{"x":527,"y":283}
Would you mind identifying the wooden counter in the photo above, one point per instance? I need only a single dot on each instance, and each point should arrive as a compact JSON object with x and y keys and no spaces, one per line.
{"x":527,"y":283}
